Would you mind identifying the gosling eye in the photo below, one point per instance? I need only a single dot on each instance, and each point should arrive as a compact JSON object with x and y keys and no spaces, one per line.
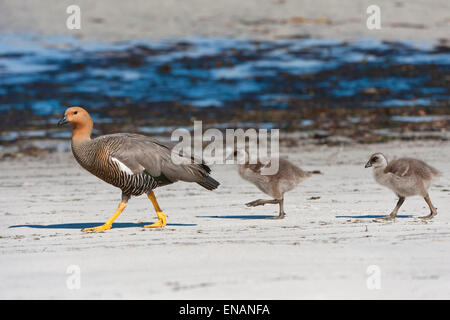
{"x":374,"y":159}
{"x":75,"y":112}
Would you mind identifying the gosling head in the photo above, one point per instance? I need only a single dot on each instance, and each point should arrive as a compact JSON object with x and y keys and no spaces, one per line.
{"x":377,"y":160}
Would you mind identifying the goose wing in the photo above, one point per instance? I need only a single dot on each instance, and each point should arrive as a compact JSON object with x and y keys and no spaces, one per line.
{"x":142,"y":154}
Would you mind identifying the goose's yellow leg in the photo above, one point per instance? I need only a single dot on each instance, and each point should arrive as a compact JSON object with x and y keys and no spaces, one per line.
{"x":108,"y":224}
{"x":161,"y":215}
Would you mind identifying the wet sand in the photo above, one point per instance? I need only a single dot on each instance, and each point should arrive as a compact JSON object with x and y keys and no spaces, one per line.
{"x":256,"y":19}
{"x":214,"y":246}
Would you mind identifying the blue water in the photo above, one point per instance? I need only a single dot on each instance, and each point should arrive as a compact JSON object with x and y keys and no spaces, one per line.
{"x":45,"y":75}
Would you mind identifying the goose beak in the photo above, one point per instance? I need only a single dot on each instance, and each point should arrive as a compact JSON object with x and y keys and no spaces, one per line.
{"x":368,"y":164}
{"x":63,"y":121}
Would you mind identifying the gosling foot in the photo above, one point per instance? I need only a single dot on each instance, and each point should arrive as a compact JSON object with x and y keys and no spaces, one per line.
{"x":430,"y":216}
{"x":256,"y":203}
{"x":387,"y":218}
{"x":281,"y":216}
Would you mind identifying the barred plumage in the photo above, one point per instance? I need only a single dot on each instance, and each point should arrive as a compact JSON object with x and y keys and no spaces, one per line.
{"x":94,"y":156}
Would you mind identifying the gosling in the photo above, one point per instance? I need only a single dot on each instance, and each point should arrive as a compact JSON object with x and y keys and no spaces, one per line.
{"x":276,"y":185}
{"x":406,"y":177}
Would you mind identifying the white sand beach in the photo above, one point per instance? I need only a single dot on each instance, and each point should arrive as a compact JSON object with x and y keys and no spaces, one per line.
{"x":214,"y":246}
{"x":116,"y":20}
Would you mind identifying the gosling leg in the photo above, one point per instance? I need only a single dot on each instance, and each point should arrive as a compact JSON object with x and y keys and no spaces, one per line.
{"x":432,"y":208}
{"x":282,"y":214}
{"x":394,"y":212}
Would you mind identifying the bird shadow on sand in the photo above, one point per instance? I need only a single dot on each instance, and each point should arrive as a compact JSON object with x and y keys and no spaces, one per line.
{"x":373,"y":216}
{"x":248,"y":217}
{"x":96,"y":224}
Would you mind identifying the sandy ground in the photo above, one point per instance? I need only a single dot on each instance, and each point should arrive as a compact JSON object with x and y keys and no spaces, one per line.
{"x":115,"y":20}
{"x":214,"y":246}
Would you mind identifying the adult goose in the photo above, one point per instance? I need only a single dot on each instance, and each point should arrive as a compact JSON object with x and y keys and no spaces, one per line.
{"x":134,"y":163}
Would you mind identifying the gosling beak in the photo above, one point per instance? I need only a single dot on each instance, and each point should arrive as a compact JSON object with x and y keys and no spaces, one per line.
{"x":63,"y":121}
{"x":368,"y":164}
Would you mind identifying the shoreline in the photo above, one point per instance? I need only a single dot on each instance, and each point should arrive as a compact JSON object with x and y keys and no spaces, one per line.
{"x":25,"y":147}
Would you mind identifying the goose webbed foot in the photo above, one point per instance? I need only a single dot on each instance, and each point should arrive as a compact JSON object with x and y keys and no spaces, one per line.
{"x":162,"y":217}
{"x":161,"y":223}
{"x":99,"y":228}
{"x":108,"y":224}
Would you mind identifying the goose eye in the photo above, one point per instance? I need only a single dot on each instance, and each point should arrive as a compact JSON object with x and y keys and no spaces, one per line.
{"x":75,"y":112}
{"x":374,"y":158}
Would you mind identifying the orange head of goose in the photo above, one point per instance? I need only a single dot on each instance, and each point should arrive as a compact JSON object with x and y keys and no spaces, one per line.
{"x":80,"y":120}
